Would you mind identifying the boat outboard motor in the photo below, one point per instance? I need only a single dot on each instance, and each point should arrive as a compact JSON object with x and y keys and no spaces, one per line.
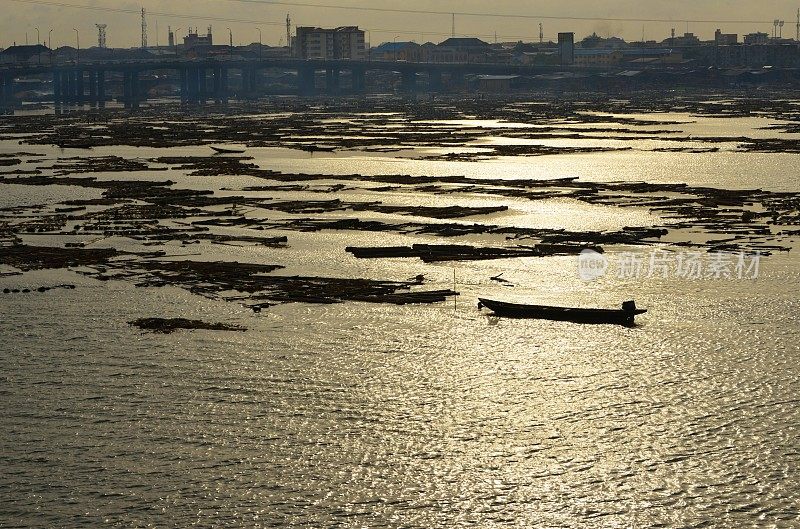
{"x":629,"y":306}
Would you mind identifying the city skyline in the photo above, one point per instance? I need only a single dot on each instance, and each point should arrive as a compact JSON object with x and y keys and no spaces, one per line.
{"x":514,"y":20}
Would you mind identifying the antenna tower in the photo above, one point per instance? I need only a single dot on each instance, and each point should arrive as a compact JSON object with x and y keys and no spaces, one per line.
{"x":453,"y":34}
{"x":144,"y":29}
{"x":798,"y":25}
{"x":288,"y":31}
{"x":101,"y":35}
{"x":541,"y":33}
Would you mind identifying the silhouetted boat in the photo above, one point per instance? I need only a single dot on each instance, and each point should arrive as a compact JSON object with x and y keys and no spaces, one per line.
{"x":317,"y":148}
{"x":75,"y":145}
{"x":227,"y":150}
{"x":624,"y":316}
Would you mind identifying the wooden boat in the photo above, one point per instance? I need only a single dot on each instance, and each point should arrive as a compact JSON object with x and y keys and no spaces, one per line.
{"x":227,"y":150}
{"x":317,"y":148}
{"x":75,"y":145}
{"x":624,"y":316}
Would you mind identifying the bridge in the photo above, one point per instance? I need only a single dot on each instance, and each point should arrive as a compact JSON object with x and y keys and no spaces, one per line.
{"x":203,"y":80}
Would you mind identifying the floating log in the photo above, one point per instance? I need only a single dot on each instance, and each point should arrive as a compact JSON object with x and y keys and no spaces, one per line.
{"x":170,"y":325}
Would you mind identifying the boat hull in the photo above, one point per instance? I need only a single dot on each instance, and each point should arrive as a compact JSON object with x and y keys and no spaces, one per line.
{"x":575,"y":315}
{"x":224,"y":150}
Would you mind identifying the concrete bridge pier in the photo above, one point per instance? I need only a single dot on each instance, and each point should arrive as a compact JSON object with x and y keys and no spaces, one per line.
{"x":71,"y":91}
{"x":332,"y":76}
{"x":100,"y":79}
{"x":306,"y":85}
{"x":80,"y":94}
{"x":435,"y":83}
{"x":225,"y":85}
{"x":458,"y":80}
{"x":184,"y":85}
{"x":57,"y":88}
{"x":131,"y":93}
{"x":65,"y":95}
{"x":6,"y":94}
{"x":217,"y":82}
{"x":305,"y":81}
{"x":249,"y":83}
{"x":408,"y":83}
{"x":6,"y":91}
{"x":126,"y":89}
{"x":202,"y":85}
{"x":245,"y":87}
{"x":193,"y":86}
{"x":136,"y":89}
{"x":93,"y":88}
{"x":359,"y":80}
{"x":254,"y":83}
{"x":220,"y":85}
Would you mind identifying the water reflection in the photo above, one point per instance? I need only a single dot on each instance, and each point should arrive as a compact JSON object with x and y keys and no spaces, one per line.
{"x":417,"y":416}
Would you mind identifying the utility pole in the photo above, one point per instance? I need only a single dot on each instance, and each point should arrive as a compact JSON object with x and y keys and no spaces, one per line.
{"x":288,"y":32}
{"x":78,"y":43}
{"x":38,"y":42}
{"x":541,"y":33}
{"x":144,"y":29}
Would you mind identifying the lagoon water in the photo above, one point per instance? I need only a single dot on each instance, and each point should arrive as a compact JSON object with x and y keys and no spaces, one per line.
{"x":363,"y":415}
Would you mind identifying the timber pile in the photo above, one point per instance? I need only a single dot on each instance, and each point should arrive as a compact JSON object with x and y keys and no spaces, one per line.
{"x":589,"y":238}
{"x":151,"y":212}
{"x":170,"y":325}
{"x":192,"y":237}
{"x":259,"y":287}
{"x":327,"y":206}
{"x":25,"y":257}
{"x":432,"y":253}
{"x":97,"y":164}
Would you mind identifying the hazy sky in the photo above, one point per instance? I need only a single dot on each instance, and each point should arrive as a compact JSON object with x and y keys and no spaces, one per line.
{"x":124,"y":29}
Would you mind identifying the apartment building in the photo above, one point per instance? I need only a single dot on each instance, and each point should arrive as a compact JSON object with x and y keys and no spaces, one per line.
{"x":346,"y":42}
